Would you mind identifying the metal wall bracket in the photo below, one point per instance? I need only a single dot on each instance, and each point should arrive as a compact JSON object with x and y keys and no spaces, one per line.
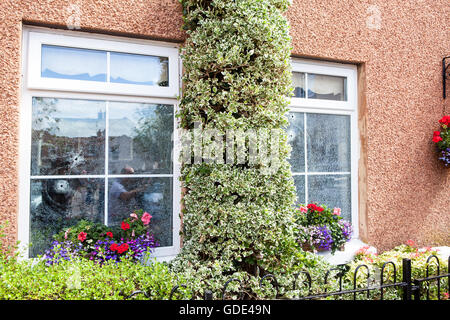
{"x":445,"y":74}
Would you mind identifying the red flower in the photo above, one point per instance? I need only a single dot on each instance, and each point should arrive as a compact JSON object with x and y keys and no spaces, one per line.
{"x":437,"y":139}
{"x":445,"y":121}
{"x":113,"y":247}
{"x":313,"y":207}
{"x":82,"y":236}
{"x":109,"y":234}
{"x":122,"y":248}
{"x":125,"y":226}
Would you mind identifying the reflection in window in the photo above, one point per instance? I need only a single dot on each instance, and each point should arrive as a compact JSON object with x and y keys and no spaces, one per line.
{"x":92,"y":65}
{"x":139,"y":69}
{"x":59,"y":203}
{"x":299,"y":182}
{"x":328,"y":142}
{"x":327,"y":87}
{"x":325,"y":178}
{"x":140,"y":136}
{"x":73,"y":63}
{"x":68,"y":139}
{"x":298,"y":80}
{"x":68,"y":136}
{"x":296,"y":138}
{"x":151,"y":194}
{"x":333,"y":191}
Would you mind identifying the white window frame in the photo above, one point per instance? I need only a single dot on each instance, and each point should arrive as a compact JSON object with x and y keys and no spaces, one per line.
{"x":349,"y":107}
{"x":36,"y":81}
{"x":36,"y":86}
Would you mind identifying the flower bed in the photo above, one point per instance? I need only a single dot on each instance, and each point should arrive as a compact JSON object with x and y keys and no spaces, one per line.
{"x":410,"y":250}
{"x":101,"y":243}
{"x":321,"y":229}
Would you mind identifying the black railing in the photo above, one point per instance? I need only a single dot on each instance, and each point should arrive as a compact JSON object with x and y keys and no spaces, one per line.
{"x":408,"y":288}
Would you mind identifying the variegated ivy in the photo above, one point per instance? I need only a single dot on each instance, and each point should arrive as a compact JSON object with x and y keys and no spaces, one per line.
{"x":236,"y":77}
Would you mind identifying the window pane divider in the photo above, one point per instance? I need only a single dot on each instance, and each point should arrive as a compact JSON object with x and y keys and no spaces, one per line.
{"x":305,"y":147}
{"x":143,"y":175}
{"x":108,"y":66}
{"x":320,"y":173}
{"x":101,"y":176}
{"x":105,"y":221}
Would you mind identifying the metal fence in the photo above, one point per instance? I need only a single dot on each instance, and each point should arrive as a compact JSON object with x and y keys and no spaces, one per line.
{"x":407,"y":289}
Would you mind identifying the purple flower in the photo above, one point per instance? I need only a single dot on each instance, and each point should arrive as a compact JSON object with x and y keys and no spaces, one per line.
{"x":347,"y":229}
{"x":62,"y":251}
{"x":325,"y":239}
{"x":101,"y":250}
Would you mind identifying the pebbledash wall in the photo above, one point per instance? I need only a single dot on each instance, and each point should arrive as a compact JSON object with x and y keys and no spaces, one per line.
{"x":397,"y":46}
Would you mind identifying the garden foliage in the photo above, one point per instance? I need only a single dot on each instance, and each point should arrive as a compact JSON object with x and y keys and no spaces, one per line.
{"x":78,"y":278}
{"x":236,"y":77}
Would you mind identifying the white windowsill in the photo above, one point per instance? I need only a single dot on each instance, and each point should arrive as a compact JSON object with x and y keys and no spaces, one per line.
{"x":343,"y":257}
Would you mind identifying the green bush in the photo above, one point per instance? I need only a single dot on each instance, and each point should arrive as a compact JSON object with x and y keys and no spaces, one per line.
{"x":237,"y":76}
{"x":418,"y":259}
{"x":82,"y":279}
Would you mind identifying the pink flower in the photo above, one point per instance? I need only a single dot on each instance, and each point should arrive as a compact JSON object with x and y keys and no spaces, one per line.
{"x":337,"y":211}
{"x":303,"y":209}
{"x":410,"y":243}
{"x":66,"y":233}
{"x":146,"y":218}
{"x":134,"y":216}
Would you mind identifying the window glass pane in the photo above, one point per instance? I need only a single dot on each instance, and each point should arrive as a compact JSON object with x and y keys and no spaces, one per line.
{"x":328,"y":142}
{"x":139,"y":69}
{"x":67,"y":137}
{"x":153,"y":195}
{"x":331,"y":190}
{"x":140,"y":136}
{"x":73,"y":63}
{"x":299,"y":181}
{"x":296,"y":138}
{"x":59,"y":203}
{"x":298,"y":80}
{"x":327,"y":87}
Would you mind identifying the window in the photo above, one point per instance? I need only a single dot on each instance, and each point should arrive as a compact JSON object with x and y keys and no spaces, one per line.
{"x":323,"y":135}
{"x":97,"y":120}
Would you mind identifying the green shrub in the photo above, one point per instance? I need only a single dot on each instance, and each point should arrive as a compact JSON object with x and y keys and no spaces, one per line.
{"x":418,"y":258}
{"x":237,"y":76}
{"x":82,"y":279}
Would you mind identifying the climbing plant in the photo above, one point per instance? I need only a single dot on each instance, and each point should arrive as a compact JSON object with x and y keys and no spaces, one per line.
{"x":237,"y":218}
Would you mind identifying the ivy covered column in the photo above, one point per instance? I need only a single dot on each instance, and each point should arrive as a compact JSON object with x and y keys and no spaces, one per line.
{"x":238,"y":218}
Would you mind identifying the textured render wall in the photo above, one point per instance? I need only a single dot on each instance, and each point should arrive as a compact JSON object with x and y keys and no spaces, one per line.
{"x":398,"y":44}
